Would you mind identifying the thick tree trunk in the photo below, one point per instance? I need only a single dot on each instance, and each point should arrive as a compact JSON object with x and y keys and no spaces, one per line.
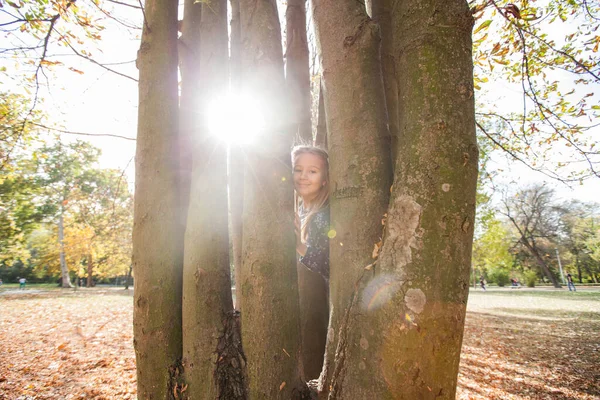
{"x":236,"y":157}
{"x":408,"y":344}
{"x":270,"y":313}
{"x":206,"y":281}
{"x":157,"y":236}
{"x":359,"y":165}
{"x":297,"y":74}
{"x":64,"y":269}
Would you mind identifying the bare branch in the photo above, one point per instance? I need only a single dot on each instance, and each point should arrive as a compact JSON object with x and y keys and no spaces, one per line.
{"x":125,"y":4}
{"x":82,"y":133}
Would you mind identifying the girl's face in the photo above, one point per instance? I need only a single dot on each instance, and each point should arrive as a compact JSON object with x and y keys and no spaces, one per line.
{"x":309,"y":176}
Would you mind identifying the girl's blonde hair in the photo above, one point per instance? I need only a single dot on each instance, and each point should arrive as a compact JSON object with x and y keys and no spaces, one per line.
{"x":322,"y":199}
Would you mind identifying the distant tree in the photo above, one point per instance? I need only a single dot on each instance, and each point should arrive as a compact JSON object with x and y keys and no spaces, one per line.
{"x":492,"y":249}
{"x":20,"y":214}
{"x":61,"y":171}
{"x":536,"y":218}
{"x":580,"y":223}
{"x":19,"y":128}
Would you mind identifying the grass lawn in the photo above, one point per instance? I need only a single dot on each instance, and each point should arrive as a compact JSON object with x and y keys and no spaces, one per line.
{"x":518,"y":344}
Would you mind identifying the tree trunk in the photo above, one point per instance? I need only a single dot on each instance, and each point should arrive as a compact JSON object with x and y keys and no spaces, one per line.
{"x":381,"y":12}
{"x":297,"y":74}
{"x":157,"y":236}
{"x":408,"y":344}
{"x":540,"y":261}
{"x":314,"y":316}
{"x":359,"y":165}
{"x":64,"y":269}
{"x":189,"y":102}
{"x":236,"y":157}
{"x":321,"y":136}
{"x":270,"y":313}
{"x":312,"y":289}
{"x":90,"y":269}
{"x":128,"y":278}
{"x":206,"y":281}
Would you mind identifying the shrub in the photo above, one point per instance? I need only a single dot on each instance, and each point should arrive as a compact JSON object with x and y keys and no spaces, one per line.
{"x":530,"y":278}
{"x":501,"y":277}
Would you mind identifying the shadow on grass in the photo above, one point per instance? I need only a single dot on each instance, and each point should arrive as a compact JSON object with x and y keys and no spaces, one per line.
{"x":535,"y":314}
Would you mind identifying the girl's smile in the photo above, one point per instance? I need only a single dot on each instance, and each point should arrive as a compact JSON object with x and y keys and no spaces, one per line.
{"x":308,"y":176}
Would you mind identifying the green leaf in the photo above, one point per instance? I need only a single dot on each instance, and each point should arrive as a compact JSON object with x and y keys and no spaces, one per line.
{"x":483,"y":25}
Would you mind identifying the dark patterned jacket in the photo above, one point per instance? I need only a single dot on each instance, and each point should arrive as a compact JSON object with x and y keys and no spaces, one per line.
{"x":317,"y":242}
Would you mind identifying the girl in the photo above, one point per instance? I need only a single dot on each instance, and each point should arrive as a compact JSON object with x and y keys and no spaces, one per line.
{"x":311,"y":181}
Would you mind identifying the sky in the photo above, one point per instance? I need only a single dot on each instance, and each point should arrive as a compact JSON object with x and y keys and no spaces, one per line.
{"x":100,"y":102}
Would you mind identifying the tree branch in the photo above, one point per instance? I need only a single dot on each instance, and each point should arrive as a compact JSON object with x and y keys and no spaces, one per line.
{"x":82,"y":133}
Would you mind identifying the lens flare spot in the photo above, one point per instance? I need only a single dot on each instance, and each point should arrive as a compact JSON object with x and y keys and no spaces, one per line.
{"x":283,"y":179}
{"x":331,"y":234}
{"x":379,"y":292}
{"x":341,"y":244}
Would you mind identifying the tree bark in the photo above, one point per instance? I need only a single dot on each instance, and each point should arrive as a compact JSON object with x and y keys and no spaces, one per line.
{"x":206,"y":277}
{"x":270,"y":313}
{"x":381,"y":12}
{"x":297,"y":74}
{"x":64,"y":269}
{"x":408,"y":345}
{"x":314,"y":316}
{"x":236,"y":157}
{"x":358,"y":142}
{"x":189,"y":103}
{"x":321,"y":136}
{"x":157,"y":236}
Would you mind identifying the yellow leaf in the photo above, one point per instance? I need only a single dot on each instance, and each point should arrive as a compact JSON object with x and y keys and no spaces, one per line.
{"x":76,"y":70}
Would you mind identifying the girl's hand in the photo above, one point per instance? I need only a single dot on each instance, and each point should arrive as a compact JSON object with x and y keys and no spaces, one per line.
{"x":300,"y":246}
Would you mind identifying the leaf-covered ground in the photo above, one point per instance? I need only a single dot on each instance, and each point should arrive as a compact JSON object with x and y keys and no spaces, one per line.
{"x":66,"y":345}
{"x":531,"y":344}
{"x":519,"y":344}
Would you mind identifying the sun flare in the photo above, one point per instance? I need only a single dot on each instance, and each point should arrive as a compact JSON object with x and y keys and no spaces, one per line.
{"x":235,"y":119}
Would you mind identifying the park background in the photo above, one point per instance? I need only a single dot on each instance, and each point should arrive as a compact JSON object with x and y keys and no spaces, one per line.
{"x":48,"y":176}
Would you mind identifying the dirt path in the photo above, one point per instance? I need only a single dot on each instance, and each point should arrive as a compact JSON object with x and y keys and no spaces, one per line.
{"x":526,"y":345}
